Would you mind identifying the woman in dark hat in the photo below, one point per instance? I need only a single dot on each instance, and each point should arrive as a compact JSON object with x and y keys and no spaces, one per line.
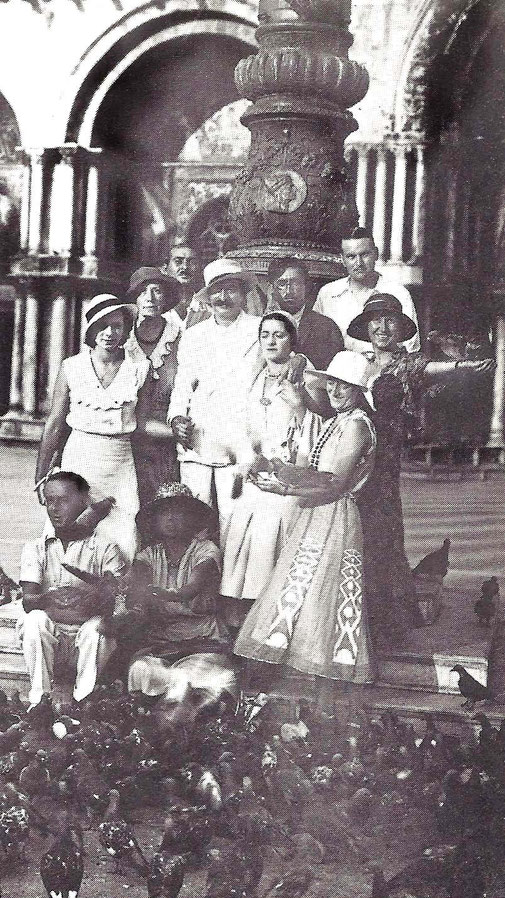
{"x":399,"y":384}
{"x":155,"y":336}
{"x":184,"y":563}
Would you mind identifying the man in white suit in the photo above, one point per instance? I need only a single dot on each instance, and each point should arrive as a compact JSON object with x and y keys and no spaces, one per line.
{"x":216,"y":360}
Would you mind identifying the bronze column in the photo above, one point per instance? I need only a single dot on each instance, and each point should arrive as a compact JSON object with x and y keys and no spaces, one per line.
{"x":295,"y":195}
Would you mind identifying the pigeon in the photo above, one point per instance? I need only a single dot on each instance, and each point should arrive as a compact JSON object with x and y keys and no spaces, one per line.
{"x":470,"y":688}
{"x":435,"y":563}
{"x":34,"y":779}
{"x":14,"y":831}
{"x":166,"y":875}
{"x":486,"y":606}
{"x":118,"y":838}
{"x":62,"y":867}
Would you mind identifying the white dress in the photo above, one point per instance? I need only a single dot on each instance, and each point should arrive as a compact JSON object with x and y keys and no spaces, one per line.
{"x":99,"y":447}
{"x":260,"y":522}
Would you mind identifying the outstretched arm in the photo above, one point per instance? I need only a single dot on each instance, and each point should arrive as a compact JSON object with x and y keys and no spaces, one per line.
{"x":438,"y":371}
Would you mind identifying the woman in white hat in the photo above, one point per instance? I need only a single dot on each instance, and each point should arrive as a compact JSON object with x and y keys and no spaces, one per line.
{"x":279,"y":426}
{"x":311,"y":615}
{"x":96,"y":395}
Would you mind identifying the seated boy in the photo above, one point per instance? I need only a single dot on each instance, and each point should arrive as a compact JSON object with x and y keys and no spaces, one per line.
{"x":57,"y":622}
{"x":184,"y":565}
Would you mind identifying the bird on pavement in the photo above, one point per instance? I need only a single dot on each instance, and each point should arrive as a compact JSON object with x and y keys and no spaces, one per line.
{"x":34,"y":779}
{"x":118,"y":838}
{"x":470,"y":688}
{"x":166,"y":875}
{"x":62,"y":866}
{"x":486,"y":606}
{"x":235,"y":870}
{"x":435,"y":563}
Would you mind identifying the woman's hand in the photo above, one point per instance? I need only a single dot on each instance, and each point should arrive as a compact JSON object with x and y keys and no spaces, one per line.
{"x":481,"y":366}
{"x":183,"y":430}
{"x":271,"y":486}
{"x":293,"y":396}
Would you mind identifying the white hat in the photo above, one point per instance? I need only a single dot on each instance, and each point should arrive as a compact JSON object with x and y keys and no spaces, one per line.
{"x":227,"y":269}
{"x":351,"y":367}
{"x":103,"y":305}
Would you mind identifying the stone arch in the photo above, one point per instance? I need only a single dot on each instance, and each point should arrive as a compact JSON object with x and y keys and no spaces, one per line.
{"x":436,"y":27}
{"x":135,"y":34}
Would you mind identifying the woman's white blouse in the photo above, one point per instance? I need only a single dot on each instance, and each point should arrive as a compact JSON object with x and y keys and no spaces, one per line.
{"x":94,"y":409}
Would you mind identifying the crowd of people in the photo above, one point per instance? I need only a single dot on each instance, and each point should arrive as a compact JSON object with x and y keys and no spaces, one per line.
{"x":239,"y":450}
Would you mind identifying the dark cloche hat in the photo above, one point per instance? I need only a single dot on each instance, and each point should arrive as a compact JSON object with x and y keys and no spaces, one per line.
{"x":380,"y":304}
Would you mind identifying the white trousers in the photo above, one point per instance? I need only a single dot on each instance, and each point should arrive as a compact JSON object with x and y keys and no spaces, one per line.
{"x":201,"y":478}
{"x":84,"y":645}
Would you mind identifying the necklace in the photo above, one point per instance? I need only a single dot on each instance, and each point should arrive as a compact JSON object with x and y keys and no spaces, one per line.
{"x":264,"y":399}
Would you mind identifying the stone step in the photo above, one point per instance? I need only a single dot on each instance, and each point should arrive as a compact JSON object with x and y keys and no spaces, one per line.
{"x":429,"y":672}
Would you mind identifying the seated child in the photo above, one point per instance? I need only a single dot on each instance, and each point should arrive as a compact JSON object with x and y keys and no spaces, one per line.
{"x":184,"y":566}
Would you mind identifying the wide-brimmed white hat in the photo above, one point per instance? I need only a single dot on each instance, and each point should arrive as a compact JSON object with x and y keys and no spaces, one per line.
{"x":351,"y":367}
{"x":103,"y":305}
{"x":221,"y":270}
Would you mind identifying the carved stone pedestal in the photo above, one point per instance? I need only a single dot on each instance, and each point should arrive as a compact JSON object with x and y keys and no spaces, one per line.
{"x":295,"y":195}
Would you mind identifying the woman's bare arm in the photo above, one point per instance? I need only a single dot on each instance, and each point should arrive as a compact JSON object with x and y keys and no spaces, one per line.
{"x":56,"y":428}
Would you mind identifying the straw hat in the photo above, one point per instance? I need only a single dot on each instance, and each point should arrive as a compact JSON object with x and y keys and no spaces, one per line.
{"x":199,"y":516}
{"x":351,"y":367}
{"x":101,"y":306}
{"x":222,"y":270}
{"x":380,"y":304}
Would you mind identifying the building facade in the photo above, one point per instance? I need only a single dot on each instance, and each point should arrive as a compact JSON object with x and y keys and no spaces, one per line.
{"x":120,"y":128}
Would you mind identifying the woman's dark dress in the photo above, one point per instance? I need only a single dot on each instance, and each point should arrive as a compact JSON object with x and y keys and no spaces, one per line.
{"x":392,"y":607}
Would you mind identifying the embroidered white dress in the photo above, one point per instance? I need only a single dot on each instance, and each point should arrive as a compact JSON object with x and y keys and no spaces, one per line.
{"x":99,"y":446}
{"x":312,"y":614}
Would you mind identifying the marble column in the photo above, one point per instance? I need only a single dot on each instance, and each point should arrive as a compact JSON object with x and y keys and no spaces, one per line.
{"x":16,"y":384}
{"x":62,"y":203}
{"x":497,"y":430}
{"x":36,"y":201}
{"x":419,"y":205}
{"x":362,"y":183}
{"x":30,"y":346}
{"x":24,"y":209}
{"x":398,"y":212}
{"x":57,"y":339}
{"x":379,"y":211}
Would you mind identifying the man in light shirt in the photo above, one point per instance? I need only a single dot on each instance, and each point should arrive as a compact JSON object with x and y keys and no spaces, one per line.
{"x":49,"y":629}
{"x":344,"y":299}
{"x":216,"y":361}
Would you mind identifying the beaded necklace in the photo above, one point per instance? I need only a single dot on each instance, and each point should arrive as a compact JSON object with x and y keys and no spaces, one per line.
{"x":323,"y":439}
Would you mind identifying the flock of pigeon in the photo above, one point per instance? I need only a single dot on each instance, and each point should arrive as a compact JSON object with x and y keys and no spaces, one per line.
{"x":239,"y":788}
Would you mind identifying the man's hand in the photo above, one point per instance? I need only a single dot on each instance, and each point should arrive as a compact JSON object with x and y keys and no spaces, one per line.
{"x":183,"y":430}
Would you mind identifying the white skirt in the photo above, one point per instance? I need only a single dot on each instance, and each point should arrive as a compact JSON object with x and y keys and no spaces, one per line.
{"x":106,"y":462}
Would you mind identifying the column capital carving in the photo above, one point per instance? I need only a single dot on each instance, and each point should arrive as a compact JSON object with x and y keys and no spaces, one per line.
{"x":68,"y":153}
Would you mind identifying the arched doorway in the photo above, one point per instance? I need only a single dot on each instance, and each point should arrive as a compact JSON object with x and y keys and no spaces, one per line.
{"x":143,"y":124}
